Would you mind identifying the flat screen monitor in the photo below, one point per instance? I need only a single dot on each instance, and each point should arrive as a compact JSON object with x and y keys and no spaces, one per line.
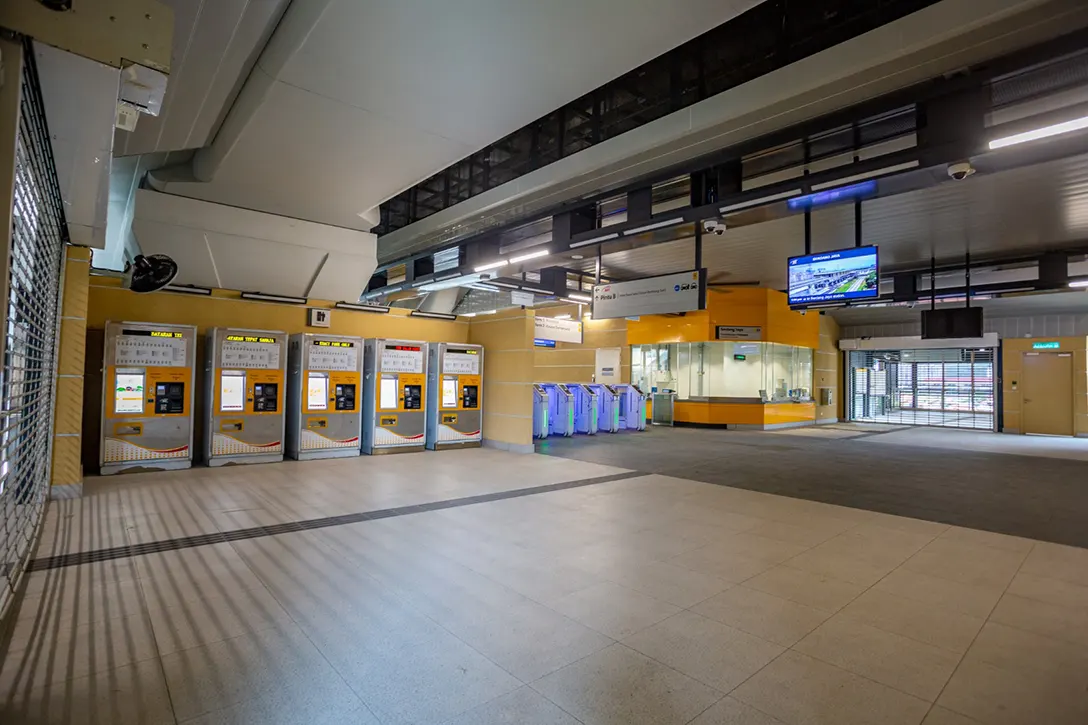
{"x":957,"y":322}
{"x":847,"y":274}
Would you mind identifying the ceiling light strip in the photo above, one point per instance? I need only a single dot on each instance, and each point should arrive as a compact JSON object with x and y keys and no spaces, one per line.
{"x":1057,"y":129}
{"x":867,"y":175}
{"x":273,"y":298}
{"x":595,"y":240}
{"x":378,"y":309}
{"x":651,"y":227}
{"x":531,"y":255}
{"x":761,"y":201}
{"x":433,"y":315}
{"x":188,"y":290}
{"x":492,"y":265}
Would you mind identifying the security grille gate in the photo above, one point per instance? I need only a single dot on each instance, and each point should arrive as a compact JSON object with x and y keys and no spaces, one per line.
{"x":946,"y":388}
{"x":27,"y":379}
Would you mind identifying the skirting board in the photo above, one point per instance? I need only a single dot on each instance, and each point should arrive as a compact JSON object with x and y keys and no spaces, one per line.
{"x":827,"y":421}
{"x":512,"y":447}
{"x":66,"y":490}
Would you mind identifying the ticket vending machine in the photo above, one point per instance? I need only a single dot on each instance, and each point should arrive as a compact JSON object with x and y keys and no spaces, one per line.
{"x":540,"y":411}
{"x":608,"y":418}
{"x":455,"y":396}
{"x":394,"y":390}
{"x":147,"y":397}
{"x":586,"y":411}
{"x":560,"y":409}
{"x":244,"y":396}
{"x":324,"y":396}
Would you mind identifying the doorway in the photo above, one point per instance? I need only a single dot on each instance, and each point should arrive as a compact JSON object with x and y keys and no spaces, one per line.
{"x":1048,"y":393}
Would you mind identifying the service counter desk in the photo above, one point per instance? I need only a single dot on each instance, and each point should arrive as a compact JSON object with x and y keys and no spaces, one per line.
{"x":744,"y":413}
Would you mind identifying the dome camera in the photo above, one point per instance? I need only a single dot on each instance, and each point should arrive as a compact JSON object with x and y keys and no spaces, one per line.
{"x":714,"y":226}
{"x":960,"y":171}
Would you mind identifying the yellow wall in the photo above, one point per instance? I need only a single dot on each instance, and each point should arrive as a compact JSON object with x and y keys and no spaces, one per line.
{"x":827,"y":370}
{"x":507,"y":338}
{"x":569,"y":362}
{"x":1012,"y":360}
{"x":107,"y":300}
{"x":71,"y":352}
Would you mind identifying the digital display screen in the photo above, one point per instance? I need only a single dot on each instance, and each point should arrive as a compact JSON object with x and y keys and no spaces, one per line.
{"x":232,"y":392}
{"x":387,"y":394}
{"x":317,"y":392}
{"x":128,"y":396}
{"x":848,"y":274}
{"x":250,"y":338}
{"x":449,"y":392}
{"x":152,"y":333}
{"x":408,"y":348}
{"x":332,"y":343}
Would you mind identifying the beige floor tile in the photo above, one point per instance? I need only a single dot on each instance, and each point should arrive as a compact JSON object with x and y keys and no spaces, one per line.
{"x":997,"y":696}
{"x":669,"y":583}
{"x":1052,"y":591}
{"x":764,"y":615}
{"x":760,"y":548}
{"x":1067,"y":563}
{"x":73,"y":603}
{"x":133,"y":694}
{"x":987,"y":538}
{"x":614,"y":610}
{"x":711,"y":652}
{"x":967,"y":563}
{"x":171,"y":577}
{"x":619,"y":686}
{"x":724,"y":564}
{"x":839,"y":565}
{"x":890,"y":659}
{"x":941,"y":716}
{"x":734,"y":712}
{"x":926,"y":623}
{"x":1051,"y":620}
{"x":1016,"y":649}
{"x":813,"y":590}
{"x":524,"y":706}
{"x":806,"y":534}
{"x":977,"y":600}
{"x":800,"y":690}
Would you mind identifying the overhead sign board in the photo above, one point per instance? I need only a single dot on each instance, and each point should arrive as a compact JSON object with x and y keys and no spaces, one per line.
{"x":552,"y":328}
{"x":681,"y":292}
{"x":845,"y":274}
{"x":1046,"y":345}
{"x":525,"y":299}
{"x":726,"y":332}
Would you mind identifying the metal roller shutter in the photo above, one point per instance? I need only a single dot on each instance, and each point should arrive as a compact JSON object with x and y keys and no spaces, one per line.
{"x":28,"y":376}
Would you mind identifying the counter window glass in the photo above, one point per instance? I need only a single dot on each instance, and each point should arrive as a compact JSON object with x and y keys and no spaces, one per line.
{"x":739,"y":370}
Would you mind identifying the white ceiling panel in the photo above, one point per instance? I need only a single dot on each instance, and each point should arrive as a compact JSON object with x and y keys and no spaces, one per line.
{"x":260,"y":265}
{"x":185,"y":245}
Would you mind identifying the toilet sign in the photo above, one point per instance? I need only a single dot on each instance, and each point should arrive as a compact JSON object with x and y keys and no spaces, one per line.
{"x":317,"y":317}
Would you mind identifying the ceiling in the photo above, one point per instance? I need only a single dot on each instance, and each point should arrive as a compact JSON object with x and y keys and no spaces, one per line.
{"x":352,"y":102}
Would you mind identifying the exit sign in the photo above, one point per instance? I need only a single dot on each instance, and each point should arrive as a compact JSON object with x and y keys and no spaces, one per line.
{"x":1046,"y":346}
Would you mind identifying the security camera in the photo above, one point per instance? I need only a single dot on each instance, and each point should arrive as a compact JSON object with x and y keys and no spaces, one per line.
{"x":960,"y":171}
{"x":714,"y":226}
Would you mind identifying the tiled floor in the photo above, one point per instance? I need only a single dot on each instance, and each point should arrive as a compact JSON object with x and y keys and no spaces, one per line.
{"x":650,"y":599}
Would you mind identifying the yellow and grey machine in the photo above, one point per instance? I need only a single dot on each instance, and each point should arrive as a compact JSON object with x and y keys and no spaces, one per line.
{"x":455,"y":396}
{"x":244,"y":396}
{"x":394,"y":392}
{"x":147,"y":397}
{"x":324,"y":396}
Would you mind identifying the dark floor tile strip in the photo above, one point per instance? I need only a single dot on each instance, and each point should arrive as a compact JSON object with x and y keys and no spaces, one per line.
{"x":188,"y":542}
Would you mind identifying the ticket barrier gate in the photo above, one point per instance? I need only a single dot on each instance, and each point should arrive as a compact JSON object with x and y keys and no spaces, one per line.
{"x":540,"y":411}
{"x":560,"y":409}
{"x":632,"y":407}
{"x":586,"y":409}
{"x":608,"y":409}
{"x":147,"y":397}
{"x":244,"y":396}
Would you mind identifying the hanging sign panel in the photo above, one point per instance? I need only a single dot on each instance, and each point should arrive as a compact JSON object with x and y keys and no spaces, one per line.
{"x":681,"y":292}
{"x":552,"y":328}
{"x":727,"y":332}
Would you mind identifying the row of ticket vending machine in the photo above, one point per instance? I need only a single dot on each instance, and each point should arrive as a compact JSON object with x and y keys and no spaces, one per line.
{"x":266,"y":394}
{"x":563,"y":409}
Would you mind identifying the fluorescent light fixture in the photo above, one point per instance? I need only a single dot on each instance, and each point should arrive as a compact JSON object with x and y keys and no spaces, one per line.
{"x":867,"y":175}
{"x":273,"y":298}
{"x":531,"y":255}
{"x":538,"y":290}
{"x":468,"y":314}
{"x":1077,"y":124}
{"x":573,"y":302}
{"x":457,"y":280}
{"x":444,"y":277}
{"x":379,"y":309}
{"x":433,"y":315}
{"x":651,"y":227}
{"x":492,"y":265}
{"x":580,"y":298}
{"x":420,"y":284}
{"x":562,"y":317}
{"x":483,"y":286}
{"x":761,"y":201}
{"x":504,"y":284}
{"x":488,"y":312}
{"x":1078,"y":283}
{"x":595,"y":240}
{"x":187,"y":289}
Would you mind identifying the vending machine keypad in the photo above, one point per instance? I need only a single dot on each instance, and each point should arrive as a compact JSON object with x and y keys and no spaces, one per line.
{"x":345,"y":397}
{"x":470,"y":397}
{"x":169,"y":398}
{"x":413,"y":397}
{"x":265,"y":397}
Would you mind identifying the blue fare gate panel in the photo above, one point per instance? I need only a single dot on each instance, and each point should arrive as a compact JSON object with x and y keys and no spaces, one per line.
{"x":632,"y":405}
{"x":585,"y":408}
{"x":608,"y":410}
{"x":560,"y":409}
{"x":540,"y":411}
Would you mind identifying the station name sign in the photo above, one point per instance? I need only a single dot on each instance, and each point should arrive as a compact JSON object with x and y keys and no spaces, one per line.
{"x":251,"y":338}
{"x":670,"y":293}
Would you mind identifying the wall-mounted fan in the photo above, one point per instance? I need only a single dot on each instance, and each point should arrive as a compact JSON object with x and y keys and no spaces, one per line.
{"x":151,"y":273}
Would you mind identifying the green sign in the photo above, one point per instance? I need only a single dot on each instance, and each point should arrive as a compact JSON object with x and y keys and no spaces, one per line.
{"x":1046,"y":346}
{"x":740,"y":357}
